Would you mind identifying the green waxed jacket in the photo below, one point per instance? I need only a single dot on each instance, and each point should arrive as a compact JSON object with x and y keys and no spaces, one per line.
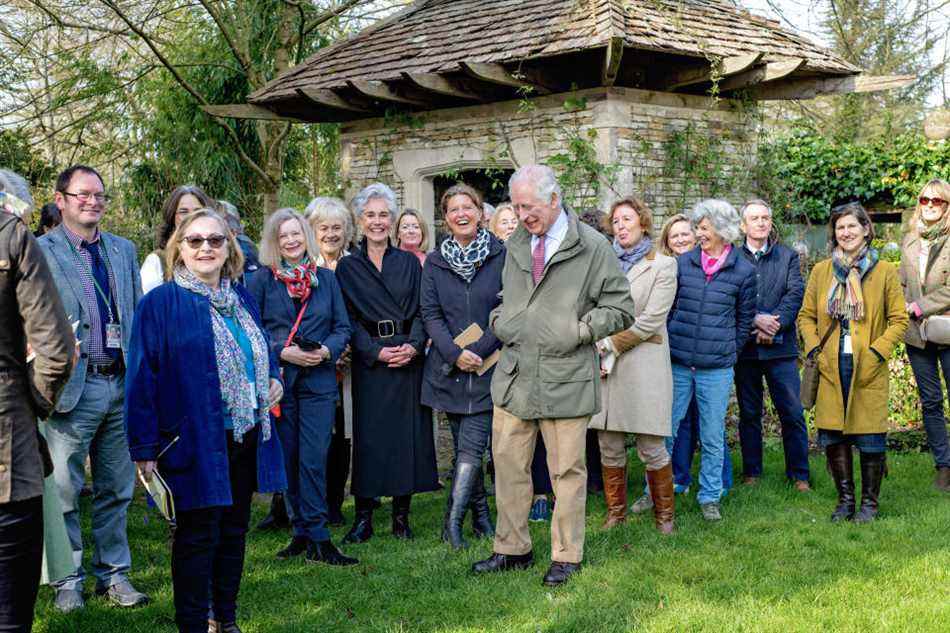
{"x":549,"y":367}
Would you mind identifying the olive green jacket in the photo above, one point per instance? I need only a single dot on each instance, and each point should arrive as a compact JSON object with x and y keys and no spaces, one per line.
{"x":549,"y":366}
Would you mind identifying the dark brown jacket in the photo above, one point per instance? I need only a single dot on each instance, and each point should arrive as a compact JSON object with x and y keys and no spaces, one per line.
{"x":30,"y":312}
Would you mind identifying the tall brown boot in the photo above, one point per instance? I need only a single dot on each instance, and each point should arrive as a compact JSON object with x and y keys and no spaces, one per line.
{"x":841,"y":467}
{"x":615,"y":493}
{"x":661,"y":489}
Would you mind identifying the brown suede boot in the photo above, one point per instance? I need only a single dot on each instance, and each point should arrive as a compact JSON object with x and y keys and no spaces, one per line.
{"x":661,"y":489}
{"x":615,"y":493}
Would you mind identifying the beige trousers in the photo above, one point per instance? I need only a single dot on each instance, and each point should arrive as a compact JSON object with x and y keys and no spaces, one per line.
{"x":651,"y":449}
{"x":513,"y":442}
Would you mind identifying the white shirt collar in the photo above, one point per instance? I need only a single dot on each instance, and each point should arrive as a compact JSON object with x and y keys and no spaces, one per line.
{"x":553,"y":238}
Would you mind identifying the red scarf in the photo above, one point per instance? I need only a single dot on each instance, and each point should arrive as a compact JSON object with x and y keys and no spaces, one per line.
{"x":299,"y":279}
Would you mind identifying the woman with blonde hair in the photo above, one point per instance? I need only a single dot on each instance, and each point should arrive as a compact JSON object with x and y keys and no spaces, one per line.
{"x":333,"y":228}
{"x":925,"y":260}
{"x":303,"y":311}
{"x":504,"y":222}
{"x":411,"y":234}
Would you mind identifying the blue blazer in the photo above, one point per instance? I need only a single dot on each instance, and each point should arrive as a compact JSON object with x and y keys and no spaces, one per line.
{"x":172,"y":390}
{"x":325,"y":321}
{"x":62,"y":264}
{"x":779,"y":291}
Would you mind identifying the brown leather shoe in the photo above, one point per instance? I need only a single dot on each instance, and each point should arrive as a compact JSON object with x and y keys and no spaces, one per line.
{"x":660,"y":483}
{"x":750,"y":480}
{"x":942,"y":479}
{"x":802,"y":486}
{"x":615,"y":493}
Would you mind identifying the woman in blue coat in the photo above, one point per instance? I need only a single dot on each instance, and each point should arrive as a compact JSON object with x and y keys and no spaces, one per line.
{"x":199,"y":386}
{"x":303,"y":312}
{"x":709,"y":324}
{"x":461,"y":285}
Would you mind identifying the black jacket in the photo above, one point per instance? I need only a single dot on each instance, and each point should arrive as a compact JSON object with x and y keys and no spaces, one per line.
{"x":779,"y":291}
{"x":449,"y":305}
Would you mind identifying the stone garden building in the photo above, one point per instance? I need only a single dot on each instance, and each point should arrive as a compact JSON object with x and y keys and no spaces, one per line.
{"x":648,"y":97}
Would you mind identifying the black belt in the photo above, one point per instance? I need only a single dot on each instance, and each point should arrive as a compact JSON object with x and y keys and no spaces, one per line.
{"x":115,"y":368}
{"x":386,"y":328}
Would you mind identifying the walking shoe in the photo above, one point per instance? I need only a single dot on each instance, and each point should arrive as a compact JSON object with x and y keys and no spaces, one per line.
{"x":503,"y":562}
{"x":68,"y":600}
{"x":326,"y":552}
{"x":297,"y":546}
{"x":123,"y":594}
{"x":942,"y":479}
{"x":710,"y":511}
{"x":540,"y":511}
{"x":643,"y":504}
{"x":680,"y":489}
{"x":558,"y":573}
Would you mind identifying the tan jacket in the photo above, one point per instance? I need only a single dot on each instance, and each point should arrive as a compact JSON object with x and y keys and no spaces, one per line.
{"x":30,"y":311}
{"x":932,"y":294}
{"x":638,"y":393}
{"x":881,"y":330}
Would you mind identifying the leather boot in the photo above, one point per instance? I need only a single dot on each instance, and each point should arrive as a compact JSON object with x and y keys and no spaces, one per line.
{"x":841,"y":467}
{"x":401,"y":529}
{"x":445,"y":517}
{"x":362,"y":529}
{"x":873,"y":466}
{"x":942,"y":479}
{"x":463,"y":484}
{"x":661,"y":490}
{"x":482,"y":524}
{"x":615,"y":493}
{"x":277,"y":518}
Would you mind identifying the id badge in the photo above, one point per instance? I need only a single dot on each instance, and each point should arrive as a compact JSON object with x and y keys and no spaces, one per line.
{"x":113,"y":336}
{"x":847,"y":344}
{"x":252,"y":389}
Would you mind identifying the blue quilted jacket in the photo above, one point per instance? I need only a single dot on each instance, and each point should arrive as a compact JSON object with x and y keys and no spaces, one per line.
{"x":711,"y":321}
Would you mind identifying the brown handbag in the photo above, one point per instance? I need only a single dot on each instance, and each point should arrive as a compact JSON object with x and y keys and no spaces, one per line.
{"x":809,"y":389}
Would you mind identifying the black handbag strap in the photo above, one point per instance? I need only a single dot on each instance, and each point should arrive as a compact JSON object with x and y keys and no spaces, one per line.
{"x":824,"y":339}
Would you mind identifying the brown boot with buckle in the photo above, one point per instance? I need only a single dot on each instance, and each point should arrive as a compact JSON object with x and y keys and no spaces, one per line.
{"x":615,"y":493}
{"x":660,"y":483}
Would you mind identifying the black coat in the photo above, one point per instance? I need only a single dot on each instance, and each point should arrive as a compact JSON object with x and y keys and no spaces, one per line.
{"x":393,"y":446}
{"x":779,"y":291}
{"x":449,"y":305}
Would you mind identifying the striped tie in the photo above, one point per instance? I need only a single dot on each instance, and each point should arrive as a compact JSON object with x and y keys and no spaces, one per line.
{"x":537,"y":260}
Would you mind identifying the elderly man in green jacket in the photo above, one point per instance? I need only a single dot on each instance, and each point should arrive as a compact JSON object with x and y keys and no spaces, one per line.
{"x":563,"y":291}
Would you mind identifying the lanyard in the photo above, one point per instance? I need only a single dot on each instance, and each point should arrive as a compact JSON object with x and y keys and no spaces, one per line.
{"x":95,"y":282}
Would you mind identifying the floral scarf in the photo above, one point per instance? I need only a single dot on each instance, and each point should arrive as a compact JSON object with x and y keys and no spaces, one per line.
{"x":466,"y":260}
{"x":845,"y":298}
{"x":630,"y":257}
{"x":300,"y":279}
{"x":245,"y":412}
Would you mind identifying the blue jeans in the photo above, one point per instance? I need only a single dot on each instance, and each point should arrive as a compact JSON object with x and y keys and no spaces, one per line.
{"x":711,"y":388}
{"x":95,"y":428}
{"x":782,"y":377}
{"x":683,"y":446}
{"x":925,"y":363}
{"x":864,"y":442}
{"x":305,"y":430}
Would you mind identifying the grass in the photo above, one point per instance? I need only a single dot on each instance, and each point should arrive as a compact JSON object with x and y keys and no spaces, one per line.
{"x":774,"y":563}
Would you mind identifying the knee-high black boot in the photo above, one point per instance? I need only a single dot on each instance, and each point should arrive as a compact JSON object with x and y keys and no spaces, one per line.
{"x":401,"y":529}
{"x":482,"y":524}
{"x":841,"y":467}
{"x":873,"y":467}
{"x":463,"y":484}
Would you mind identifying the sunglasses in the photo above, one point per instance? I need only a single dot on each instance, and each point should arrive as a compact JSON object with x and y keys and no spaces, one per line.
{"x":937,"y":202}
{"x":195,"y":241}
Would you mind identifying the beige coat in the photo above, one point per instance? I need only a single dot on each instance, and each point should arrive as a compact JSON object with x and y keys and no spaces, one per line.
{"x":638,"y":393}
{"x":933,"y":295}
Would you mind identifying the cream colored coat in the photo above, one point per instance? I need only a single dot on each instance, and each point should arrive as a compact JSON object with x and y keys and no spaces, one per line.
{"x":638,"y":393}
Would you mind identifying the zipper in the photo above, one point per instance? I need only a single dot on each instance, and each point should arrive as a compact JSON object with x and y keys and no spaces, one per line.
{"x":468,"y":307}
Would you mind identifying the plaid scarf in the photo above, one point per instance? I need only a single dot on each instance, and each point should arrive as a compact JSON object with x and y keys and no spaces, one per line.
{"x":299,"y":279}
{"x":845,"y":299}
{"x":237,"y":398}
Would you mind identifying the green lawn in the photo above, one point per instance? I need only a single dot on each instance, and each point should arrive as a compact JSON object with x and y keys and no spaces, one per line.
{"x":774,"y":563}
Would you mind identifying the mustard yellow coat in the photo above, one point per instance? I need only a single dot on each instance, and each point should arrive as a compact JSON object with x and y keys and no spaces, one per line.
{"x":883,"y":327}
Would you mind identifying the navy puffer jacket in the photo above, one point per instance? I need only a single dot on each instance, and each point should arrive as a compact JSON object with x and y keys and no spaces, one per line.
{"x":711,"y":321}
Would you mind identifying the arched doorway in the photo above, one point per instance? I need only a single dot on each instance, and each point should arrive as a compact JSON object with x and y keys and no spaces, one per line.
{"x":491,"y":182}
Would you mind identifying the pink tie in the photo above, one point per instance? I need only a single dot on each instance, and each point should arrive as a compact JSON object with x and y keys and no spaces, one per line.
{"x":537,"y":260}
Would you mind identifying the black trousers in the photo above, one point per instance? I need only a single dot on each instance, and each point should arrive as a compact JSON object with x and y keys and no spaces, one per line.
{"x":338,"y":464}
{"x":21,"y":556}
{"x":208,"y":548}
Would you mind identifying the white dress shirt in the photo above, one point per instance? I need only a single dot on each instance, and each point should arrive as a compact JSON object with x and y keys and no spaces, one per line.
{"x":553,"y":238}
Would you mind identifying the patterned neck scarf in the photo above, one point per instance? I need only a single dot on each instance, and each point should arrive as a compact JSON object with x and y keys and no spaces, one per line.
{"x":466,"y":260}
{"x":630,"y":257}
{"x":845,"y":299}
{"x":932,"y":232}
{"x":300,"y":279}
{"x":244,"y":410}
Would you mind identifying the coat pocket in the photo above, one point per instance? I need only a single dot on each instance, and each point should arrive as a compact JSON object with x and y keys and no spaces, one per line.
{"x":871,"y":370}
{"x":568,"y":385}
{"x":503,"y":380}
{"x":176,"y":449}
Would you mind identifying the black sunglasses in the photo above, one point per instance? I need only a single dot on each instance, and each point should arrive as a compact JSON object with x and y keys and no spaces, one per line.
{"x":195,"y":241}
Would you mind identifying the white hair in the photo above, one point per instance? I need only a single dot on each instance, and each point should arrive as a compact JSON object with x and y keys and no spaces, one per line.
{"x":323,"y":209}
{"x":375,"y":190}
{"x":16,"y":185}
{"x":722,"y":215}
{"x":755,"y":202}
{"x":542,"y":178}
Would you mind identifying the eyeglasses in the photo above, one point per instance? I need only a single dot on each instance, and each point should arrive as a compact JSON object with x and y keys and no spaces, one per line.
{"x":83,"y":196}
{"x":937,"y":202}
{"x":215,"y":241}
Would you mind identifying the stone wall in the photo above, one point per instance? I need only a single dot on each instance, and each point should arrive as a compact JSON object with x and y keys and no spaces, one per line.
{"x":643,"y":134}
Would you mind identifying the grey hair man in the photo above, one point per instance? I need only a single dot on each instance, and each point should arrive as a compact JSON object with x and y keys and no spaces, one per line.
{"x":31,"y":315}
{"x":563,"y":291}
{"x":97,"y":276}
